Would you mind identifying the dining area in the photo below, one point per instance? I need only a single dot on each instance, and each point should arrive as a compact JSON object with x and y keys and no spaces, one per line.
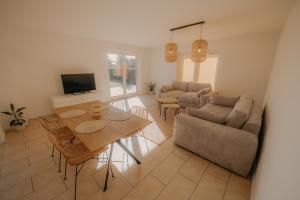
{"x":88,"y":131}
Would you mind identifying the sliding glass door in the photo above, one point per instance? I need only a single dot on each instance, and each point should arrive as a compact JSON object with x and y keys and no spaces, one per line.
{"x":122,"y":74}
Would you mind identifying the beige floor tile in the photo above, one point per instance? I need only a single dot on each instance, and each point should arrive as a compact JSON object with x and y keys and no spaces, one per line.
{"x":210,"y":188}
{"x":13,"y":148}
{"x":100,"y":175}
{"x":14,"y":167}
{"x":49,"y":191}
{"x":17,"y":191}
{"x":137,"y":172}
{"x":163,"y":151}
{"x":85,"y":189}
{"x":14,"y":138}
{"x":218,"y":172}
{"x":45,"y":177}
{"x":238,"y":188}
{"x":179,"y":188}
{"x":194,"y":168}
{"x":33,"y":133}
{"x":182,"y":153}
{"x":148,"y":189}
{"x":23,"y":154}
{"x":36,"y":157}
{"x":36,"y":142}
{"x":115,"y":191}
{"x":168,"y":168}
{"x":10,"y":180}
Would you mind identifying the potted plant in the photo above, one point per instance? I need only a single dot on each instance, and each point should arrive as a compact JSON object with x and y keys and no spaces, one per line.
{"x":151,"y":87}
{"x":17,"y":123}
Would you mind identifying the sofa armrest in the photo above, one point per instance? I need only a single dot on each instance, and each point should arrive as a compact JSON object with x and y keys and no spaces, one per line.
{"x":204,"y":98}
{"x":229,"y":147}
{"x":159,"y":91}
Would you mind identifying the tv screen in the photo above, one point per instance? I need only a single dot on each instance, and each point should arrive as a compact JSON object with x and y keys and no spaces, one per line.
{"x":76,"y":83}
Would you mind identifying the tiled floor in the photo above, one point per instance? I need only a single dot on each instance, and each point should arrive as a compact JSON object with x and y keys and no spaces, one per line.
{"x":166,"y":172}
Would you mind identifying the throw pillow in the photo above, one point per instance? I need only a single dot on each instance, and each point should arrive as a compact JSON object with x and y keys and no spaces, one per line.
{"x":240,"y":113}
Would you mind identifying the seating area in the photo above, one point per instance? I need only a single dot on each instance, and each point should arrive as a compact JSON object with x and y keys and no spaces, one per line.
{"x":189,"y":94}
{"x":224,"y":131}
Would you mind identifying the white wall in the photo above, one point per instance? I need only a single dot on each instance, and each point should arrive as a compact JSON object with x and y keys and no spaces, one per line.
{"x":243,"y":67}
{"x":31,"y":62}
{"x":277,"y":175}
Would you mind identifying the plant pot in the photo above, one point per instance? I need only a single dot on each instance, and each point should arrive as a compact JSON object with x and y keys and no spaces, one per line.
{"x":18,"y":127}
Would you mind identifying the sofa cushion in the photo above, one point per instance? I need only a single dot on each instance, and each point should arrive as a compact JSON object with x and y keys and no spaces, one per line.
{"x":166,"y":88}
{"x":203,"y":91}
{"x":196,"y":87}
{"x":210,"y":112}
{"x":253,"y":124}
{"x":172,"y":93}
{"x":240,"y":113}
{"x":180,"y":85}
{"x":190,"y":97}
{"x":223,"y":101}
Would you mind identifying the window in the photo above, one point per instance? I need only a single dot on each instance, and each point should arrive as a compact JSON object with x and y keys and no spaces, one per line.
{"x":122,"y":74}
{"x":204,"y":72}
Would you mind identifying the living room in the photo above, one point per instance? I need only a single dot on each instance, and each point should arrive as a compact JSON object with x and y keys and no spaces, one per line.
{"x":121,"y":50}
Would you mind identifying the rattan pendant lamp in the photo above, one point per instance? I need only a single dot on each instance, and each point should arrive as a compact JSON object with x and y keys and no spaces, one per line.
{"x":171,"y":50}
{"x":199,"y":49}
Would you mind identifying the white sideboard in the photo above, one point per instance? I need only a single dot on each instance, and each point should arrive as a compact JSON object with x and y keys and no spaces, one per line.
{"x":72,"y":99}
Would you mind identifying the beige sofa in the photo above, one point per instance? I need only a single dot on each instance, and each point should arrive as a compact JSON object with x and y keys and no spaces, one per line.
{"x":189,"y":94}
{"x":226,"y":134}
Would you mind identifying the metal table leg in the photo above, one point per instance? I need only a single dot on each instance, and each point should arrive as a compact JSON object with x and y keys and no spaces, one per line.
{"x":127,"y":151}
{"x":109,"y":161}
{"x":108,"y":166}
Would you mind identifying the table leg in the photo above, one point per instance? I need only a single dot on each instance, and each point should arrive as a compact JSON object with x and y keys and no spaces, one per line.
{"x":127,"y":151}
{"x":159,"y":105}
{"x":108,"y":166}
{"x":165,"y":113}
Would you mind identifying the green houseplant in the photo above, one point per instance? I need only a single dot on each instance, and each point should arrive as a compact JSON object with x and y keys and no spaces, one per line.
{"x":151,"y":87}
{"x":17,"y":123}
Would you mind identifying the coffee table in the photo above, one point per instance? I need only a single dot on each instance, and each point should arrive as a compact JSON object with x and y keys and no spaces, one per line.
{"x":174,"y":106}
{"x":166,"y":100}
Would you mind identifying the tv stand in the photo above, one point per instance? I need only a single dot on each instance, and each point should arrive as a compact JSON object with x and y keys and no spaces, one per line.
{"x":72,"y":99}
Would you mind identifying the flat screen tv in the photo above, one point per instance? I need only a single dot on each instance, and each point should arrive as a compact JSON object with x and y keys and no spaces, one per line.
{"x":78,"y":83}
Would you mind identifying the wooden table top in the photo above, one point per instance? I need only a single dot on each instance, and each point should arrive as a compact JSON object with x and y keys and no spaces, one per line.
{"x":167,"y":100}
{"x":113,"y":131}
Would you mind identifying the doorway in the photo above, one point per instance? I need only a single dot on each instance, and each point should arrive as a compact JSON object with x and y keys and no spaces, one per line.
{"x":122,"y":74}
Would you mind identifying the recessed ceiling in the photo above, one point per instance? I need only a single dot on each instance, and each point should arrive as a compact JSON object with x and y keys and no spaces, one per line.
{"x":146,"y":23}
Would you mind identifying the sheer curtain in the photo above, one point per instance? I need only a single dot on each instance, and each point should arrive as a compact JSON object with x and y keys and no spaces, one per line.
{"x":204,"y":72}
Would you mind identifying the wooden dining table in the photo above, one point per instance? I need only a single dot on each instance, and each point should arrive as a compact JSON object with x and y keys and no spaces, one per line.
{"x":112,"y":133}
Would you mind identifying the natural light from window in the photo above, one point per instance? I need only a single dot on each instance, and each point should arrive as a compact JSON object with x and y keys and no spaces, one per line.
{"x":188,"y":70}
{"x":207,"y":71}
{"x":204,"y":72}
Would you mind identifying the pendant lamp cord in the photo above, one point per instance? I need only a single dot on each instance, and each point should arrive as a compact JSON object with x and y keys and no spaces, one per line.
{"x":171,"y":36}
{"x":201,"y":32}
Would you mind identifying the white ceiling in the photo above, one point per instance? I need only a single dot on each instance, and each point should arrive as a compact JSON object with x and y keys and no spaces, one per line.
{"x":146,"y":22}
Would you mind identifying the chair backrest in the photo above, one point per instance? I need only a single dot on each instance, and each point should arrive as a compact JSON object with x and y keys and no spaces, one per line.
{"x":139,"y":111}
{"x":52,"y":124}
{"x":119,"y":104}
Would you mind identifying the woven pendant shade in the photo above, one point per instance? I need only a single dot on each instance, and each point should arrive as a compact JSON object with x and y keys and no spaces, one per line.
{"x":199,"y":51}
{"x":171,"y":52}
